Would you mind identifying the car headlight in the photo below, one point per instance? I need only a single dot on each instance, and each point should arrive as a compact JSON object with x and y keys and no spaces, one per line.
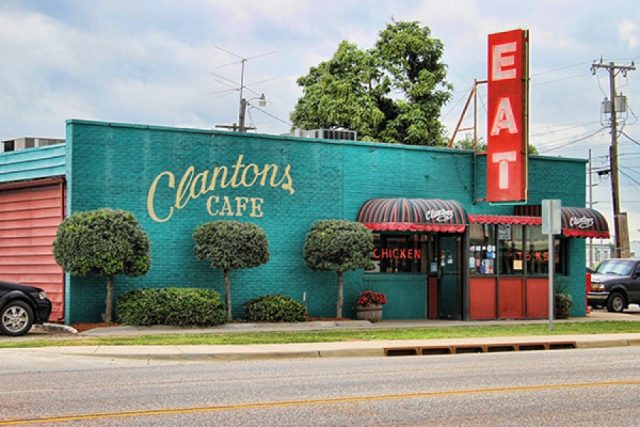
{"x":597,"y":287}
{"x":42,"y":295}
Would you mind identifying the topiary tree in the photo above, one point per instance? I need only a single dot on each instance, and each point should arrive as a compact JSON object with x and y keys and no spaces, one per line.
{"x":105,"y":242}
{"x":231,"y":245}
{"x":339,"y":246}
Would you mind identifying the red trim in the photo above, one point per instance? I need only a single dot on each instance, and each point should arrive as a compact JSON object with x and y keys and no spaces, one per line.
{"x":571,"y":232}
{"x":411,"y":226}
{"x":505,"y":219}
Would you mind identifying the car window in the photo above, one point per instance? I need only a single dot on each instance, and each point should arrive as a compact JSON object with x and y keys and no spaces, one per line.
{"x":616,"y":267}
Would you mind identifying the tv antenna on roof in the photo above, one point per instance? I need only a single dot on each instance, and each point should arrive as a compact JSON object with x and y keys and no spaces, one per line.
{"x":243,"y":102}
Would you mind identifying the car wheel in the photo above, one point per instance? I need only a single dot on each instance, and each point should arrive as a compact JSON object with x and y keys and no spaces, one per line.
{"x":16,"y":318}
{"x":616,"y":302}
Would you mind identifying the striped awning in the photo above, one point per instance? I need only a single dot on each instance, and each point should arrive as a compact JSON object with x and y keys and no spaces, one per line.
{"x":584,"y":222}
{"x":400,"y":214}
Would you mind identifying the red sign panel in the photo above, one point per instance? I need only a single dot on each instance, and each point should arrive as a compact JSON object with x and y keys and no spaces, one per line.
{"x":507,"y":126}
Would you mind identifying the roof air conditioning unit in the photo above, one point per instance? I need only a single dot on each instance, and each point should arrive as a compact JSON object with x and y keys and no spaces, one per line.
{"x":339,"y":134}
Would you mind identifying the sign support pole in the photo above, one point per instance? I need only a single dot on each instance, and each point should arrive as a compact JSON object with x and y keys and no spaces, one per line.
{"x":551,"y":225}
{"x":551,"y":284}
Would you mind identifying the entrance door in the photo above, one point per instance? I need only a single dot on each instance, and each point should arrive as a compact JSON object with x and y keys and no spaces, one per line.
{"x":450,"y":289}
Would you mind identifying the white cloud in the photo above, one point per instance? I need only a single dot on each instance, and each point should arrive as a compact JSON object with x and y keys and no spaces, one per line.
{"x":629,"y":33}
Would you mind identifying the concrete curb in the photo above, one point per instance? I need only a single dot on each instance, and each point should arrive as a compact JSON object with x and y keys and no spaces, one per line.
{"x":55,"y":328}
{"x":330,"y":350}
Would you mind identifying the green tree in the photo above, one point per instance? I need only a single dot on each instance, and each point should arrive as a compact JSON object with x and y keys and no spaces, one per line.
{"x":466,"y":143}
{"x":337,"y":245}
{"x":390,"y":93}
{"x":104,"y":242}
{"x":231,"y":245}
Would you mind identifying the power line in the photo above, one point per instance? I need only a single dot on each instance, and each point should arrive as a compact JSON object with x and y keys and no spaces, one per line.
{"x":561,"y":68}
{"x":630,"y":139}
{"x":565,"y":128}
{"x":273,"y":116}
{"x":573,"y":142}
{"x":559,"y":80}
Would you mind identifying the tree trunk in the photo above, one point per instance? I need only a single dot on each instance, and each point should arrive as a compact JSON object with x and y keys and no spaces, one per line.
{"x":340,"y":295}
{"x":227,"y":294}
{"x":108,"y":303}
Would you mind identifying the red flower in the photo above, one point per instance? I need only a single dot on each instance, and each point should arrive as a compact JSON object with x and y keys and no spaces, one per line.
{"x":369,"y":297}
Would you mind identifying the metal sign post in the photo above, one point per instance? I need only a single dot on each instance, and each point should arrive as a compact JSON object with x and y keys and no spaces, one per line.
{"x":551,"y":226}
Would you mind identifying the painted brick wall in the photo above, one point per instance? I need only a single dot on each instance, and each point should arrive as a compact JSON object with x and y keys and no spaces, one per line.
{"x":114,"y":165}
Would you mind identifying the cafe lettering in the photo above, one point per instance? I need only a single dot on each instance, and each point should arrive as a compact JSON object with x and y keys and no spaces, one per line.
{"x":194,"y":184}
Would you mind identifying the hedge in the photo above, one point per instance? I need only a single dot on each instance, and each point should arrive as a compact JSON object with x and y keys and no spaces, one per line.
{"x":171,"y":306}
{"x":275,"y":308}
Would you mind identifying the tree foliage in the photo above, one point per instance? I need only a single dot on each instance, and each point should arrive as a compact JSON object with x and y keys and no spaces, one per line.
{"x":231,"y":245}
{"x":338,"y":245}
{"x":392,"y":92}
{"x":104,"y":242}
{"x":466,"y":143}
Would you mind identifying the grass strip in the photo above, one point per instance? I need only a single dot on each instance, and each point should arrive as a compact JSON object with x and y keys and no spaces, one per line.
{"x":261,"y":337}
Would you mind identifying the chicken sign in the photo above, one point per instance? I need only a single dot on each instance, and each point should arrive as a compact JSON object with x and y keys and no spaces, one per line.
{"x":507,"y":125}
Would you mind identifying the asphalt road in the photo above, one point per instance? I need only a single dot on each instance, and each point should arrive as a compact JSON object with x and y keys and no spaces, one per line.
{"x":561,"y":387}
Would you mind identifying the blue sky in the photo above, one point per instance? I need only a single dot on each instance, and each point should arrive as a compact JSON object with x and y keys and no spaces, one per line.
{"x":164,"y":62}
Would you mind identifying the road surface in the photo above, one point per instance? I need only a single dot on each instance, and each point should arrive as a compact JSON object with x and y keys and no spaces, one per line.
{"x":560,"y":387}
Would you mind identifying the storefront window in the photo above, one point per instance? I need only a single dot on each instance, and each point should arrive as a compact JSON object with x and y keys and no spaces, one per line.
{"x":537,"y":251}
{"x":482,"y":249}
{"x":400,"y":253}
{"x":511,"y":248}
{"x":520,"y":250}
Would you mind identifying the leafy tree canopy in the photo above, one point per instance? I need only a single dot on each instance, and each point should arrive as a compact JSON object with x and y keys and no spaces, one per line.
{"x":105,"y":242}
{"x":338,"y":245}
{"x":392,"y":92}
{"x":231,"y":245}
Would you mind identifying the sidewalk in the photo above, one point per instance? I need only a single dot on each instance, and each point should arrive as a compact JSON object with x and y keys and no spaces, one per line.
{"x":343,"y":349}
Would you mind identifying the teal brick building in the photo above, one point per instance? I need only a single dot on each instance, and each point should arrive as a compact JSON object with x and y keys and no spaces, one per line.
{"x":174,"y":179}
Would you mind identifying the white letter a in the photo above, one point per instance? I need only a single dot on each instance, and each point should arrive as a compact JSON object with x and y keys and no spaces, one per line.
{"x":504,"y":118}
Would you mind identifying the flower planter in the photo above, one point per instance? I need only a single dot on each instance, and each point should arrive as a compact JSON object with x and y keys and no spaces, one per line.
{"x":371,"y":312}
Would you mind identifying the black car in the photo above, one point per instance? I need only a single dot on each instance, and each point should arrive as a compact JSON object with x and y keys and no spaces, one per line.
{"x":20,"y":307}
{"x":615,"y":284}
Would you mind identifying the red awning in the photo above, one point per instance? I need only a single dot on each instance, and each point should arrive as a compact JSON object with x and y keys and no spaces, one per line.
{"x":576,"y":222}
{"x":400,"y":214}
{"x":505,"y":219}
{"x":584,"y":222}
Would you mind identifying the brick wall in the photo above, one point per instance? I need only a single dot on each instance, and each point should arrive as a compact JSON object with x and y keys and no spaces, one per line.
{"x":114,"y":165}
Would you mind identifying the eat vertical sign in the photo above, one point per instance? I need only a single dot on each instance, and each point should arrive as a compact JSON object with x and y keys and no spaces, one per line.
{"x":507,"y":125}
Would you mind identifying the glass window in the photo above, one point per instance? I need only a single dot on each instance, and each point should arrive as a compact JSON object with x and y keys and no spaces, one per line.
{"x":510,"y":248}
{"x":615,"y":267}
{"x":397,"y":253}
{"x":482,"y":249}
{"x":537,"y":251}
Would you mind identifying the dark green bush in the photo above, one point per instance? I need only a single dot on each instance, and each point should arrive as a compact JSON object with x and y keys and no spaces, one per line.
{"x":274,"y":308}
{"x":171,"y":306}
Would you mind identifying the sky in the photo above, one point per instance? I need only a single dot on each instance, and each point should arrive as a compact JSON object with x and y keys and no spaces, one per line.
{"x":177,"y":63}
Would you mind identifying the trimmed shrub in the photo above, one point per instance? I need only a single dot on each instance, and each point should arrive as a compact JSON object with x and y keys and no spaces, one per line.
{"x":171,"y":306}
{"x":231,"y":245}
{"x":105,"y":242}
{"x":338,"y":245}
{"x":275,"y":308}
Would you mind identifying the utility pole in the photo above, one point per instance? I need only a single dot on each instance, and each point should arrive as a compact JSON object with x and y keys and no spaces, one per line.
{"x":591,"y":207}
{"x":613,"y":70}
{"x":243,"y":106}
